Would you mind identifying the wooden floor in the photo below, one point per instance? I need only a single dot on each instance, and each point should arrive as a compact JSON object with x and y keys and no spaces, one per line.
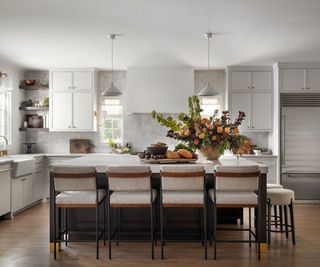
{"x":24,"y":242}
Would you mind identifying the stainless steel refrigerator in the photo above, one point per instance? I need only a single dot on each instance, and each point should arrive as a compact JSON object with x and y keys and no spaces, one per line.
{"x":300,"y":144}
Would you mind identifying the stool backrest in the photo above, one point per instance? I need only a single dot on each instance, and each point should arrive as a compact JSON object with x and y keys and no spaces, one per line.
{"x":74,"y":178}
{"x":237,"y":178}
{"x":129,"y":178}
{"x":182,"y":178}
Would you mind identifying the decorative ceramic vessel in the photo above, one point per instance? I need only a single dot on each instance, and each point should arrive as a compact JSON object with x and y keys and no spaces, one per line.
{"x":210,"y":153}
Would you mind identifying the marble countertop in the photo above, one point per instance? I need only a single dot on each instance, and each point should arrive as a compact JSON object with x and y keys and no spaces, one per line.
{"x":101,"y":162}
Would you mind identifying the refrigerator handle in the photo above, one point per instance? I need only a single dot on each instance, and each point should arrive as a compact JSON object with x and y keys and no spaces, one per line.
{"x":283,"y":136}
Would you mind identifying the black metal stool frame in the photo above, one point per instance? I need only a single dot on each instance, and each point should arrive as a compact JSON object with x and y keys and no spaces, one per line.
{"x":115,"y":232}
{"x":59,"y":238}
{"x":203,"y":220}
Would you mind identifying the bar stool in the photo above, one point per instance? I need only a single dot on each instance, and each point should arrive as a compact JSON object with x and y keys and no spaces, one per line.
{"x":183,"y":187}
{"x":277,"y":219}
{"x":282,"y":198}
{"x":76,"y":187}
{"x":236,"y":187}
{"x":130,"y":187}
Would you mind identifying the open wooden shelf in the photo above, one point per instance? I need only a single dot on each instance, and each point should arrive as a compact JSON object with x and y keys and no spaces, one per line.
{"x":34,"y":87}
{"x":33,"y":129}
{"x":34,"y":108}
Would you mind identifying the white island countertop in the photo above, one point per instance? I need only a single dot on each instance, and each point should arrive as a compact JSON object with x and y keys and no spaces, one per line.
{"x":101,"y":162}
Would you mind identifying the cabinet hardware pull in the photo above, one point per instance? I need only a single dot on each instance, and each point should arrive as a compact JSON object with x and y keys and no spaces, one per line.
{"x":303,"y":88}
{"x":248,"y":87}
{"x":308,"y":88}
{"x":253,"y":87}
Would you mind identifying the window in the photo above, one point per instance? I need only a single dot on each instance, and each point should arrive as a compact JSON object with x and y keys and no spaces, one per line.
{"x":5,"y":107}
{"x":210,"y":106}
{"x":111,"y":120}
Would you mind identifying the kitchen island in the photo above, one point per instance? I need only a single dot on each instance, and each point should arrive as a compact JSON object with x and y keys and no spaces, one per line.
{"x":81,"y":221}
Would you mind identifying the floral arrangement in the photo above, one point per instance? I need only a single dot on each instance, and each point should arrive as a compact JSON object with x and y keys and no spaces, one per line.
{"x":197,"y":132}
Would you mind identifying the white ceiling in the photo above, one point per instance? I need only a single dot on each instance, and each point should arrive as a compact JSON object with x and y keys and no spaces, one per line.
{"x":42,"y":34}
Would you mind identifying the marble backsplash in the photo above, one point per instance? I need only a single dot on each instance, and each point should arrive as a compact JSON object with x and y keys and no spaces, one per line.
{"x":140,"y":130}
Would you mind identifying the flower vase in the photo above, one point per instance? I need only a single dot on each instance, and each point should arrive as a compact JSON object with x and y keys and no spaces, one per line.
{"x":210,"y":153}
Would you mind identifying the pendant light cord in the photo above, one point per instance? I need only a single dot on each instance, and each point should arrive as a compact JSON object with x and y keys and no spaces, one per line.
{"x":208,"y":59}
{"x":112,"y":61}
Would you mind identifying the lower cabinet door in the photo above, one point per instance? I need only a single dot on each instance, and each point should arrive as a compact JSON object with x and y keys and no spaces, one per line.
{"x":5,"y":180}
{"x":37,"y":187}
{"x":17,"y":194}
{"x":27,"y":190}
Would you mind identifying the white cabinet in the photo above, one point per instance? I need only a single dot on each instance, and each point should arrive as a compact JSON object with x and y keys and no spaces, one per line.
{"x":61,"y":110}
{"x":82,"y":80}
{"x":82,"y":106}
{"x":38,"y":180}
{"x":240,"y":80}
{"x":72,"y":100}
{"x":300,"y":80}
{"x":21,"y":192}
{"x":261,"y":110}
{"x":62,"y":80}
{"x":247,"y":80}
{"x":5,"y":188}
{"x":250,"y":91}
{"x":240,"y":102}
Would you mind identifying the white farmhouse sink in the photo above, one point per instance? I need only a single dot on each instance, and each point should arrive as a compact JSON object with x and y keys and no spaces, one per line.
{"x":22,"y":165}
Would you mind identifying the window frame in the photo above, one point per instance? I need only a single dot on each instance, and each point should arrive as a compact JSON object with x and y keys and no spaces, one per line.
{"x":102,"y":118}
{"x":8,"y":114}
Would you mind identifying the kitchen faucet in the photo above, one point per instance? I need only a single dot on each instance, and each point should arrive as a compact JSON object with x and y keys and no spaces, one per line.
{"x":4,"y":152}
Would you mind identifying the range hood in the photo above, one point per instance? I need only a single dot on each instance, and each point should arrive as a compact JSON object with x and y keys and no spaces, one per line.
{"x":165,"y":90}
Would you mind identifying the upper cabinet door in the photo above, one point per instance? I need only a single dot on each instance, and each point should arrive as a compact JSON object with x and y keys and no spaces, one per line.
{"x":240,"y":102}
{"x":261,"y":80}
{"x":240,"y":80}
{"x":82,"y":111}
{"x":292,"y":80}
{"x":61,"y":80}
{"x":82,"y":80}
{"x":261,"y":111}
{"x":61,"y":111}
{"x":313,"y":80}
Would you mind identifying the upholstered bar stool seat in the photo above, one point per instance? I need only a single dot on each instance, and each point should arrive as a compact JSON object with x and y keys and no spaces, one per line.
{"x":281,"y":198}
{"x":132,"y":197}
{"x":79,"y":198}
{"x":272,"y":186}
{"x":183,"y":197}
{"x":234,"y":198}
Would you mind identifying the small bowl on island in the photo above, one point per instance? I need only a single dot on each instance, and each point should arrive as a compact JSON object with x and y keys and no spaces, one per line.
{"x":29,"y":82}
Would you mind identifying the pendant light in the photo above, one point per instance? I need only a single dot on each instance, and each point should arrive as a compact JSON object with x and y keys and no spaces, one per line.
{"x":208,"y":90}
{"x":112,"y":90}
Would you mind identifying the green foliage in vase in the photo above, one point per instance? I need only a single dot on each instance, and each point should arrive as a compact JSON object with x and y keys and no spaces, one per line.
{"x":197,"y":132}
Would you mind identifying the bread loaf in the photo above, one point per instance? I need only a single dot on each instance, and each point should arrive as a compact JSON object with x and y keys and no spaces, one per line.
{"x":185,"y":153}
{"x":172,"y":155}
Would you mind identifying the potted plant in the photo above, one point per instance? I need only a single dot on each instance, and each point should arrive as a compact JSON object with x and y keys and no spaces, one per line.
{"x":211,"y":136}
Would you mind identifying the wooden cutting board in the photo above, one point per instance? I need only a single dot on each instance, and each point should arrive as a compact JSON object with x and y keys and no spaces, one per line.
{"x":80,"y":146}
